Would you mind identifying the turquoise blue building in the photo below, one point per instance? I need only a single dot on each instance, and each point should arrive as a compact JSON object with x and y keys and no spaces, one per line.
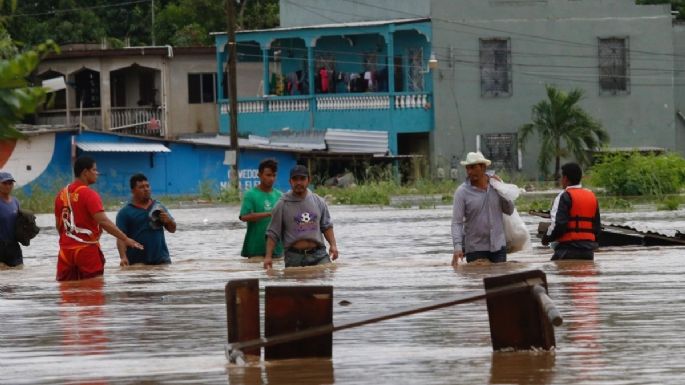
{"x":360,"y":76}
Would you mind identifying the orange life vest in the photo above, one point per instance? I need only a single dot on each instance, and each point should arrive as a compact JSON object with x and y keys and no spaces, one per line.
{"x":581,"y":216}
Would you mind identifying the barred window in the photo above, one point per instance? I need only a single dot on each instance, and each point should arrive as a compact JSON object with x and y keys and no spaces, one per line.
{"x":495,"y":67}
{"x":501,"y":149}
{"x":613,"y":66}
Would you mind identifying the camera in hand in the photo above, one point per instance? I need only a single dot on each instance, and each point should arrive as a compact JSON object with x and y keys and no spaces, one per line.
{"x":155,"y":220}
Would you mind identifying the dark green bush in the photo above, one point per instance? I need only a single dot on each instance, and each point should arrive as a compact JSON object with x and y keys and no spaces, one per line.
{"x":638,"y":174}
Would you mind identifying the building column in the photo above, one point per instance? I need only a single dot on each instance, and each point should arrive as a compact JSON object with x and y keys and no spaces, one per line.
{"x":105,"y":98}
{"x":265,"y":70}
{"x":390,"y":42}
{"x":310,"y":69}
{"x":220,"y":60}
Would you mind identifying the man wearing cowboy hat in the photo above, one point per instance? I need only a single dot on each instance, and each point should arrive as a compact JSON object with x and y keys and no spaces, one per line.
{"x":477,"y":226}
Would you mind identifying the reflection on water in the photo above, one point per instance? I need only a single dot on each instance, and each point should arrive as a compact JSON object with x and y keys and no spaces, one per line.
{"x":530,"y":368}
{"x":584,"y":331}
{"x":311,"y":371}
{"x":167,"y":325}
{"x":81,"y":313}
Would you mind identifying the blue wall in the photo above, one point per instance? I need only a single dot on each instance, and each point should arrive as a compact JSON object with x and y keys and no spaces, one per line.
{"x":249,"y":165}
{"x":348,"y":58}
{"x":179,"y":172}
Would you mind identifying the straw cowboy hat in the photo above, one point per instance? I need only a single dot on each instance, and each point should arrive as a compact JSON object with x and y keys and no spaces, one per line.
{"x":475,"y":158}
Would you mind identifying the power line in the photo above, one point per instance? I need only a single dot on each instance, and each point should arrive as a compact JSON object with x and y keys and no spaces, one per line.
{"x":472,"y":26}
{"x":635,"y":71}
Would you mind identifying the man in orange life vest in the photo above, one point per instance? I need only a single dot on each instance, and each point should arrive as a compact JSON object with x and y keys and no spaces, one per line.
{"x":80,"y":218}
{"x":575,"y":218}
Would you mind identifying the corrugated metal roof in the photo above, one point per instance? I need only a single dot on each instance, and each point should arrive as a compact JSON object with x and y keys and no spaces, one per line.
{"x":122,"y":147}
{"x":371,"y":23}
{"x":341,"y":141}
{"x":305,"y":140}
{"x":357,"y":141}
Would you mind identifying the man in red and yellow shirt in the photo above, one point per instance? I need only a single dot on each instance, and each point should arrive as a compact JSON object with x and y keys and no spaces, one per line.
{"x":80,"y":218}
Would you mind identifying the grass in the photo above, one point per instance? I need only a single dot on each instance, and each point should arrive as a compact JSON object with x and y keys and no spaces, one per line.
{"x":41,"y":200}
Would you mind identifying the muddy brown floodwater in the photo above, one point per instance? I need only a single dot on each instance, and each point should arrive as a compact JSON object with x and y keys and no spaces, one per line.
{"x":623,"y":313}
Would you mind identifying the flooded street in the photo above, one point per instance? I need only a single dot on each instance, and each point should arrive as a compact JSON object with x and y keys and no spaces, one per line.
{"x":623,"y":314}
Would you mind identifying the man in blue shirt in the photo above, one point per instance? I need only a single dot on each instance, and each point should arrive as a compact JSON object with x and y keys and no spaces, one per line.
{"x":10,"y":251}
{"x":144,"y":219}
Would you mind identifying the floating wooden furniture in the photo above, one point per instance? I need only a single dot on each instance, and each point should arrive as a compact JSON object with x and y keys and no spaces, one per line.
{"x":299,"y":319}
{"x":619,"y":235}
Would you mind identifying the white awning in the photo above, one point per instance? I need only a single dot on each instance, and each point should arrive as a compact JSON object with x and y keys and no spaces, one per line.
{"x":122,"y":147}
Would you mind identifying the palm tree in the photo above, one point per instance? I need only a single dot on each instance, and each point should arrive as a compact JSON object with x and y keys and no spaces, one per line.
{"x":560,"y":120}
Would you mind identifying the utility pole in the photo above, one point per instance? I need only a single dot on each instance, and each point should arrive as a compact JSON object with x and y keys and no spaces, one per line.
{"x":232,"y":88}
{"x":152,"y":28}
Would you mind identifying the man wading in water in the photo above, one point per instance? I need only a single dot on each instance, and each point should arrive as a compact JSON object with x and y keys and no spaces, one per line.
{"x":299,"y":219}
{"x":256,"y":211}
{"x":80,"y":219}
{"x":477,"y":226}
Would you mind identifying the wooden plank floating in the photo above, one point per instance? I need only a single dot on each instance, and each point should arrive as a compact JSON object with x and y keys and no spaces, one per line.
{"x":290,"y":309}
{"x":242,"y":309}
{"x":517,"y":319}
{"x":299,"y":319}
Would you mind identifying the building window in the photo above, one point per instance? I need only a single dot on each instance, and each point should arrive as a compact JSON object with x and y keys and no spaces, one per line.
{"x":613,"y":66}
{"x":201,"y":88}
{"x":495,"y":67}
{"x":501,"y":149}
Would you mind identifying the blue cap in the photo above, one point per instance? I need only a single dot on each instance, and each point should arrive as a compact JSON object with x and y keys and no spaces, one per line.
{"x":5,"y":176}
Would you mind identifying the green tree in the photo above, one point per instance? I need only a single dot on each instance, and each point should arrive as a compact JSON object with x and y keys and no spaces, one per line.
{"x":564,"y":129}
{"x":18,"y":98}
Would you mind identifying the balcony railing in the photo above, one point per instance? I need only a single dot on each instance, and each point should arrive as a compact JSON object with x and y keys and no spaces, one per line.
{"x":88,"y":117}
{"x":148,"y":121}
{"x":331,"y":102}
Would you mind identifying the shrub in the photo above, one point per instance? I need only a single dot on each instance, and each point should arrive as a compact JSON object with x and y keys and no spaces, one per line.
{"x":638,"y":174}
{"x":670,"y":203}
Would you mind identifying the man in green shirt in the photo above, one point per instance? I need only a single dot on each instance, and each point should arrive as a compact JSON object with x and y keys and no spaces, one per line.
{"x":256,"y":211}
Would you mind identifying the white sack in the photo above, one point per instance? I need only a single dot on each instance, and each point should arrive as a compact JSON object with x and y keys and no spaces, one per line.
{"x":515,"y":231}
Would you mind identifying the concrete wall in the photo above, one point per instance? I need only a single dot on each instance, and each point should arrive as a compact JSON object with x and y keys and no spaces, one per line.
{"x":552,"y":42}
{"x":679,"y":80}
{"x":184,"y":117}
{"x":296,"y":13}
{"x":171,"y":81}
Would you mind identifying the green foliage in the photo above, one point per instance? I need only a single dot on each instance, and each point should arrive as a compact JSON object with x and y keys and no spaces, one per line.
{"x":525,"y":204}
{"x":564,"y":130}
{"x":40,"y":20}
{"x":206,"y":189}
{"x":177,"y":22}
{"x":379,"y":192}
{"x":229,"y":195}
{"x":614,"y":203}
{"x":17,"y":97}
{"x":258,"y":14}
{"x":669,"y":203}
{"x":638,"y":174}
{"x":190,"y":35}
{"x":39,"y":199}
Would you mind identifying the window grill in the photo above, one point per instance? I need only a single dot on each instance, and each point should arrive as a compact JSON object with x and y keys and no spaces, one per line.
{"x":501,"y":149}
{"x":613,"y":66}
{"x":495,"y":67}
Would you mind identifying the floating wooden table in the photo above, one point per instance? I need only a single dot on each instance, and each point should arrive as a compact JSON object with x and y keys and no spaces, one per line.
{"x":299,"y":319}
